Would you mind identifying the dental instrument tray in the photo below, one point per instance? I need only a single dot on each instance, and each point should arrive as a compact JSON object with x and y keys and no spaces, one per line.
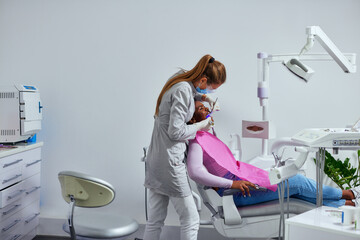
{"x":344,"y":138}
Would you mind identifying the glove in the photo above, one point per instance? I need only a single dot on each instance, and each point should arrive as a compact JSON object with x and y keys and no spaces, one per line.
{"x":212,"y":102}
{"x":204,"y":125}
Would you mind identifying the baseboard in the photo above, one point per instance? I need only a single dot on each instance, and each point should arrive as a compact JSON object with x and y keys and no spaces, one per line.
{"x":53,"y":227}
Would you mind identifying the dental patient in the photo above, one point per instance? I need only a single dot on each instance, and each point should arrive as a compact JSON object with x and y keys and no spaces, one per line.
{"x":211,"y":163}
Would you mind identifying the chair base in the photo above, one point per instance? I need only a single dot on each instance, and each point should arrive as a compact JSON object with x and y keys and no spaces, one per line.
{"x":100,"y":225}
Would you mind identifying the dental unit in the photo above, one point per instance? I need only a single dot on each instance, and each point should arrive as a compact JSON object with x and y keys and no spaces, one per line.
{"x":231,"y":221}
{"x":245,"y":222}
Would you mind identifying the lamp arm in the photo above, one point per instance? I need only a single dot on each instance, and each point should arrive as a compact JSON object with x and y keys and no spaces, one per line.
{"x":317,"y":33}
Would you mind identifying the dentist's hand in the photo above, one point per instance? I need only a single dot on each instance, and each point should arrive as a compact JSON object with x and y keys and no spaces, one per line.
{"x":205,"y":125}
{"x":243,"y":186}
{"x":212,"y":103}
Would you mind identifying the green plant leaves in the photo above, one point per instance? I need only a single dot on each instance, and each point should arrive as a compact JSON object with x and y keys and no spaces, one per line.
{"x":341,"y":172}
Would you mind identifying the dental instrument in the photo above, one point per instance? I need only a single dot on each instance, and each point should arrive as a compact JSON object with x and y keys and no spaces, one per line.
{"x":284,"y":172}
{"x":212,"y":110}
{"x":355,"y":127}
{"x":209,"y":115}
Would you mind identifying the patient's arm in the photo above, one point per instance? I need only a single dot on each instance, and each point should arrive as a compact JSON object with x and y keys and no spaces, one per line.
{"x":199,"y":173}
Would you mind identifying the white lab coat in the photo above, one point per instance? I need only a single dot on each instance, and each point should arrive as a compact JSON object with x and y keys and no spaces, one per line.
{"x":165,"y":166}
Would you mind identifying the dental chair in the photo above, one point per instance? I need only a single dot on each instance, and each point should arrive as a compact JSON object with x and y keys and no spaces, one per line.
{"x":254,"y":221}
{"x":81,"y":190}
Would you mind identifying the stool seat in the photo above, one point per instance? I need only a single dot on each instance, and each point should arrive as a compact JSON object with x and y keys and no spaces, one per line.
{"x":101,"y":225}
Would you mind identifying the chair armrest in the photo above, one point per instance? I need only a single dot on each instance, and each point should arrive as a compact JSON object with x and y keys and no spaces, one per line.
{"x":231,"y":213}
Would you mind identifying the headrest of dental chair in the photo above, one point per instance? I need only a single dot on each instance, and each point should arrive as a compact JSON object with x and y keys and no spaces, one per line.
{"x":86,"y":190}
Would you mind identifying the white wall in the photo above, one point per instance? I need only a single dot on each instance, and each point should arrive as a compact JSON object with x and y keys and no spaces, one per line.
{"x":100,"y":65}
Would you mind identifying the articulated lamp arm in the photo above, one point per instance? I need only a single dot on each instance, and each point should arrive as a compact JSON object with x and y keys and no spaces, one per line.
{"x":329,"y":46}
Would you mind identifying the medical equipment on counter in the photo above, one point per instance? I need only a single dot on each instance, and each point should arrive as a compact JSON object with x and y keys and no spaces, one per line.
{"x":20,"y":113}
{"x":346,"y":61}
{"x":343,"y":138}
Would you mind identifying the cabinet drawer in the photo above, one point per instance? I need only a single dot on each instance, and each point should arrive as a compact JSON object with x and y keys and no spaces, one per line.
{"x":31,"y":235}
{"x":11,"y":209}
{"x":11,"y":226}
{"x":13,"y":236}
{"x":19,"y":196}
{"x":31,"y":167}
{"x":11,"y":194}
{"x":11,"y":162}
{"x":21,"y":223}
{"x":32,"y":189}
{"x":10,"y":177}
{"x":30,"y":218}
{"x":32,"y":162}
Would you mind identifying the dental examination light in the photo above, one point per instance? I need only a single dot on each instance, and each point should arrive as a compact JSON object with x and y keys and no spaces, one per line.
{"x":299,"y":69}
{"x":265,"y":129}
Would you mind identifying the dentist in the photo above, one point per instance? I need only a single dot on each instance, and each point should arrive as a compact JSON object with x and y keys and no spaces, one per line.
{"x":165,"y":174}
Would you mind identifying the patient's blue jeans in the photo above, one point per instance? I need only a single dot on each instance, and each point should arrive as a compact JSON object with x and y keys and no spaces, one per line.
{"x":299,"y":187}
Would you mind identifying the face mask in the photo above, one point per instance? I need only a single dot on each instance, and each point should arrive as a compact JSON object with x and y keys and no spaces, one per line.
{"x":203,"y":91}
{"x":207,"y":90}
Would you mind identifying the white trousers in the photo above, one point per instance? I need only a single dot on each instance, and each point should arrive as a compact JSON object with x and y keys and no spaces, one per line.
{"x":157,"y":211}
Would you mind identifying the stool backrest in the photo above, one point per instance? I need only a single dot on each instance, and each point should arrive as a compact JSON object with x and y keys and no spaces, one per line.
{"x":86,"y":190}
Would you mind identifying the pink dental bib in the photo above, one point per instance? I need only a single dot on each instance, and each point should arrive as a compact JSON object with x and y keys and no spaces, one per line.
{"x":220,"y":156}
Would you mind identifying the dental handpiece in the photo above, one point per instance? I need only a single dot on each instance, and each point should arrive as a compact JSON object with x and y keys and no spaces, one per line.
{"x":212,"y":124}
{"x":258,"y":188}
{"x":213,"y":130}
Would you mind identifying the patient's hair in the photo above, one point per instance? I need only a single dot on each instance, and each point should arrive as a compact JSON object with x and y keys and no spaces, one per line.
{"x":214,"y":71}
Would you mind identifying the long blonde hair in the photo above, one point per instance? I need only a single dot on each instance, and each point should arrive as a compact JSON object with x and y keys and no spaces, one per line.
{"x":206,"y":67}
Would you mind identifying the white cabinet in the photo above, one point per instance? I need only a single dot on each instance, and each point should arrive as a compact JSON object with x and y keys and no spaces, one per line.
{"x":20,"y":191}
{"x":319,"y":224}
